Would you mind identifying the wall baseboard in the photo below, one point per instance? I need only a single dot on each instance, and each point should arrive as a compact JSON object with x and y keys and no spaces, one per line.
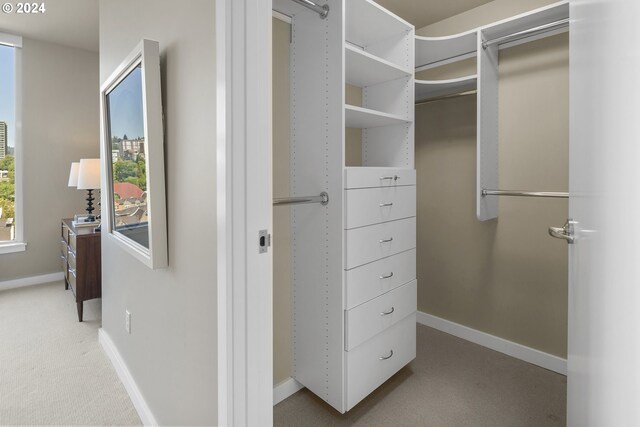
{"x":31,"y":280}
{"x":144,"y":412}
{"x":285,"y":389}
{"x":519,"y":351}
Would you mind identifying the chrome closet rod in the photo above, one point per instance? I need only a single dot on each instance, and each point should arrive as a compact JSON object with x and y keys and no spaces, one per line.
{"x":526,"y":33}
{"x":516,"y":193}
{"x":322,"y":10}
{"x":323,"y":199}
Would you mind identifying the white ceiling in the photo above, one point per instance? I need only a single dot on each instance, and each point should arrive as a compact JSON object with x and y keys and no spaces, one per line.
{"x":67,"y":22}
{"x":425,"y":12}
{"x":75,"y":22}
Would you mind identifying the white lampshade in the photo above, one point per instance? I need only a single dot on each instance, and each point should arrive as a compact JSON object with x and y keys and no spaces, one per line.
{"x":73,"y":174}
{"x":89,"y":174}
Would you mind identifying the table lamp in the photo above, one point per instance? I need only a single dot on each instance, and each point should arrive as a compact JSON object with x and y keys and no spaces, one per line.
{"x":89,"y":179}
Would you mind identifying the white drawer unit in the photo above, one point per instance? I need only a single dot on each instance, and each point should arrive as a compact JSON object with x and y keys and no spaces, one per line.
{"x":373,"y":317}
{"x":367,"y":244}
{"x":378,"y":177}
{"x":366,"y":206}
{"x":375,"y":361}
{"x":374,"y":279}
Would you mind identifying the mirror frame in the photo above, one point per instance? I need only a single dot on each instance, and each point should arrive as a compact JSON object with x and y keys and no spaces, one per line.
{"x":146,"y":55}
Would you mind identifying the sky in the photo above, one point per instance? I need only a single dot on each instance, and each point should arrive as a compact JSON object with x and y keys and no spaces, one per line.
{"x":6,"y":91}
{"x":125,"y":107}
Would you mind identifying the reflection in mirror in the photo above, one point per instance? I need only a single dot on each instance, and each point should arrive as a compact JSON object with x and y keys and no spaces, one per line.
{"x":128,"y":158}
{"x":132,"y":153}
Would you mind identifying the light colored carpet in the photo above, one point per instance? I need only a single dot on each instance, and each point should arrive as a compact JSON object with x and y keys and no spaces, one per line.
{"x":53,"y":371}
{"x":451,"y":382}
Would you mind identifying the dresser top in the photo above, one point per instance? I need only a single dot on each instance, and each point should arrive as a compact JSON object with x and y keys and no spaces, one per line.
{"x":79,"y":231}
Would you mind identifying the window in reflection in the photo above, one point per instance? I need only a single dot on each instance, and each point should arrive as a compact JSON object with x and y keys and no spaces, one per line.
{"x":128,"y":160}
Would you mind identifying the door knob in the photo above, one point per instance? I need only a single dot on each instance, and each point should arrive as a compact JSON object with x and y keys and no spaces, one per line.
{"x":566,"y":232}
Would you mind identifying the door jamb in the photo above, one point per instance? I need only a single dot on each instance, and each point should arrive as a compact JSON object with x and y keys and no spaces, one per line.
{"x":245,"y":332}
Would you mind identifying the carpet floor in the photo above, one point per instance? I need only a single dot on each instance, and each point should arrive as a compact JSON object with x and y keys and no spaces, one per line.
{"x":53,"y":371}
{"x":452,"y":382}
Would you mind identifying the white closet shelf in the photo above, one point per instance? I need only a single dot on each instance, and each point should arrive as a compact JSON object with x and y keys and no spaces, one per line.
{"x":534,"y":18}
{"x":366,"y":22}
{"x":433,"y":52}
{"x":428,"y":89}
{"x":364,"y":69}
{"x":358,"y":117}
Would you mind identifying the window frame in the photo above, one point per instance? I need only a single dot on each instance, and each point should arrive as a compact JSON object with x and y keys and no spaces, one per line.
{"x":18,"y":244}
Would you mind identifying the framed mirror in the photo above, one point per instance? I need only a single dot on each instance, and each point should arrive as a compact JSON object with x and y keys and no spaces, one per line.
{"x":133,"y":156}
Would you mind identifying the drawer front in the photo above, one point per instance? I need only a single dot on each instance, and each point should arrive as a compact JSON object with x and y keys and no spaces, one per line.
{"x":367,"y":206}
{"x":72,"y":280}
{"x":64,"y":248}
{"x":71,"y":259}
{"x":366,"y":177}
{"x":368,"y":244}
{"x":65,"y":233}
{"x":72,"y":242}
{"x":65,"y":267}
{"x":366,"y":367}
{"x":371,"y":280}
{"x":373,"y":317}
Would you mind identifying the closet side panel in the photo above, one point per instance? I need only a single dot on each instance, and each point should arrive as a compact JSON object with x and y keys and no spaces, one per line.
{"x":487,"y":146}
{"x":317,"y":157}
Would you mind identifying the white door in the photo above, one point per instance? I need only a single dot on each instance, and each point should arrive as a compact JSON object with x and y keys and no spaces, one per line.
{"x":604,"y":271}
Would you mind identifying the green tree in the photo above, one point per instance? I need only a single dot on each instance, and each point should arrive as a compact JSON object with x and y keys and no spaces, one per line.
{"x":8,"y":164}
{"x":123,"y":169}
{"x":8,"y":208}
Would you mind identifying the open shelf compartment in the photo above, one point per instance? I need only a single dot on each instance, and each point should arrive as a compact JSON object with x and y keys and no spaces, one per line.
{"x":362,"y":118}
{"x":367,"y":23}
{"x":433,"y":52}
{"x":429,"y":89}
{"x":364,"y":69}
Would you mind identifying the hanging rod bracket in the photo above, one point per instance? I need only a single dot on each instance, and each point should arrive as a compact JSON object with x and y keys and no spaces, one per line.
{"x":320,"y":9}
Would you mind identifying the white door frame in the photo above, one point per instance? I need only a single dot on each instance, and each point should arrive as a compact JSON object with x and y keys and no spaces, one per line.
{"x":244,"y":206}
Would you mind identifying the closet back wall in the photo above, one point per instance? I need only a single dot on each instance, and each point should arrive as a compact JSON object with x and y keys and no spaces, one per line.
{"x":506,"y":277}
{"x":282,"y":302}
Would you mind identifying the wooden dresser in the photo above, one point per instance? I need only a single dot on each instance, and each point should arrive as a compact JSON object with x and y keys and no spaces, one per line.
{"x":81,"y":262}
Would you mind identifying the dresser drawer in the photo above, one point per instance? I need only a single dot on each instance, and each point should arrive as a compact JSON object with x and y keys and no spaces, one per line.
{"x":65,"y":266}
{"x":367,"y":206}
{"x":373,"y":317}
{"x":64,"y":248}
{"x":368,"y":244}
{"x":72,"y":242}
{"x":71,"y":278}
{"x":369,"y":365}
{"x":65,"y":233}
{"x":366,"y":177}
{"x":371,"y":280}
{"x":71,"y":259}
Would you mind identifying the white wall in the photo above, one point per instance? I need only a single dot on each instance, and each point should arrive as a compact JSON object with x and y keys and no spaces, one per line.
{"x":171,"y":351}
{"x":60,"y":125}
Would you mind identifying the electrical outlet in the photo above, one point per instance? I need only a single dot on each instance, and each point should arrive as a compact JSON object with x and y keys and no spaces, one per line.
{"x":127,"y":321}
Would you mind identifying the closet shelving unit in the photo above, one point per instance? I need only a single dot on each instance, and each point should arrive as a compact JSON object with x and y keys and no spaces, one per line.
{"x":484,"y":43}
{"x":353,"y":266}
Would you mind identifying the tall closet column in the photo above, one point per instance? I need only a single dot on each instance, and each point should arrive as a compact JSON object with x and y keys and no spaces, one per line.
{"x":354,"y":288}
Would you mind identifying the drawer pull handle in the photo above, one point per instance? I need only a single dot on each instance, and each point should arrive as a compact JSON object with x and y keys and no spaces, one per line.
{"x":387,"y":276}
{"x":384,"y":205}
{"x":386,"y":313}
{"x":394,"y":177}
{"x":390,"y":239}
{"x":386,"y":357}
